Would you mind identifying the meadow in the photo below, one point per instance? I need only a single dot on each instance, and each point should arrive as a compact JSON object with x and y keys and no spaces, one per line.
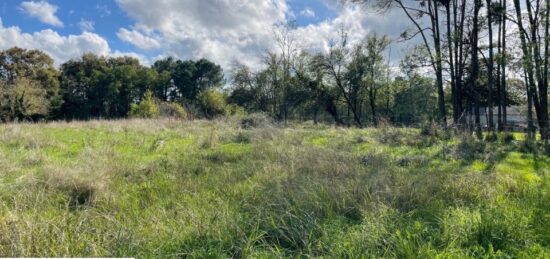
{"x":249,"y":188}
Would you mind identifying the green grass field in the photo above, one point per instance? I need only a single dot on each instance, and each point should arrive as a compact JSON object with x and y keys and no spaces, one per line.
{"x":164,"y":189}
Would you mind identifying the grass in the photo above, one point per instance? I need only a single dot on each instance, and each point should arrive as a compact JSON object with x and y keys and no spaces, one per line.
{"x":232,"y":188}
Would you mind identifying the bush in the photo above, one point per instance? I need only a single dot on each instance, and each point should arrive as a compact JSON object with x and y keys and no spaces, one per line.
{"x":435,"y":130}
{"x":212,"y":103}
{"x":234,"y":110}
{"x":172,"y":110}
{"x":491,"y":137}
{"x":255,"y":120}
{"x":147,"y":108}
{"x":23,"y":99}
{"x":508,"y":137}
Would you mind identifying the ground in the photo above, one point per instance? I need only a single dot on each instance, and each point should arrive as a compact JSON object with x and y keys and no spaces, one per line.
{"x":249,"y":188}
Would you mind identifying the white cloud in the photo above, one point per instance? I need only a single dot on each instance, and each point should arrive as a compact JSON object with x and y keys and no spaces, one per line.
{"x":357,"y":22}
{"x":226,"y":31}
{"x":307,"y":12}
{"x":60,"y":48}
{"x":221,"y":30}
{"x":43,"y":11}
{"x":86,"y":25}
{"x":103,"y":9}
{"x":138,"y":39}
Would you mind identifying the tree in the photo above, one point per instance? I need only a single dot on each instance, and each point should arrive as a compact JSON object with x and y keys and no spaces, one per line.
{"x":535,"y":63}
{"x":147,"y":107}
{"x":34,"y":71}
{"x":212,"y":103}
{"x":22,"y":100}
{"x":335,"y":63}
{"x":192,"y":77}
{"x":95,"y":87}
{"x":416,"y":11}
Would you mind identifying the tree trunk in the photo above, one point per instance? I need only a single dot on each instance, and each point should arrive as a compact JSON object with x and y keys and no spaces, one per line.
{"x":499,"y":73}
{"x":527,"y":60}
{"x":490,"y":66}
{"x":504,"y":96}
{"x":454,"y":92}
{"x":438,"y":63}
{"x":475,"y":66}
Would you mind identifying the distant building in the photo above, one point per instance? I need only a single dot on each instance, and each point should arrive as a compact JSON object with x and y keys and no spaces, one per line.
{"x":516,"y":117}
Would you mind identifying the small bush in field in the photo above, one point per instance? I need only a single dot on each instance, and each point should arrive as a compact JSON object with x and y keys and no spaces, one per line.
{"x":172,"y":110}
{"x":469,"y":148}
{"x":212,"y":103}
{"x":255,"y":120}
{"x":434,"y":130}
{"x":147,"y":108}
{"x":234,"y":110}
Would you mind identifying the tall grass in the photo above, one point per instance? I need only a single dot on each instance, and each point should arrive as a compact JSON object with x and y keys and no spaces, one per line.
{"x":249,"y":188}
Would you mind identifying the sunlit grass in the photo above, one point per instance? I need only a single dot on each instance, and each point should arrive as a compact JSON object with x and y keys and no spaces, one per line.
{"x":165,"y":188}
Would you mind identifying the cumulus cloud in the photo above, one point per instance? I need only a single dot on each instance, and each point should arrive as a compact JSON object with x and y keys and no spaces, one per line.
{"x":357,"y":22}
{"x":221,"y":30}
{"x":137,"y":39}
{"x":86,"y":25}
{"x":60,"y":48}
{"x":226,"y":31}
{"x":307,"y":12}
{"x":43,"y":11}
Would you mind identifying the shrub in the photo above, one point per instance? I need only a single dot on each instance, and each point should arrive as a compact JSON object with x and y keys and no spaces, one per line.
{"x":508,"y":137}
{"x":469,"y":148}
{"x":212,"y":103}
{"x":172,"y":110}
{"x":23,"y":99}
{"x":435,"y":130}
{"x":233,"y":109}
{"x":491,"y":137}
{"x":147,"y":108}
{"x":255,"y":120}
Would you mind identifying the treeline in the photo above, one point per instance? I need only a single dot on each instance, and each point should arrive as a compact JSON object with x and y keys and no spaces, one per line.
{"x":474,"y":47}
{"x":94,"y":87}
{"x":469,"y":61}
{"x":349,"y":86}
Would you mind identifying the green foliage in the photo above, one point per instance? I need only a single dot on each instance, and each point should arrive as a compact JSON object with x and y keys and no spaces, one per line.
{"x":172,"y":110}
{"x":188,"y":78}
{"x":23,"y":99}
{"x":30,"y":86}
{"x":96,"y":87}
{"x":147,"y":107}
{"x":212,"y":103}
{"x":415,"y":101}
{"x":234,"y":110}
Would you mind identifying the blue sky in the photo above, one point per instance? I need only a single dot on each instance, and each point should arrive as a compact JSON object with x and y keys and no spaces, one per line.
{"x":226,"y":31}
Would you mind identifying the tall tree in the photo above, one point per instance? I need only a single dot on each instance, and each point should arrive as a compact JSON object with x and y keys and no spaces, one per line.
{"x":34,"y":71}
{"x":490,"y":65}
{"x":417,"y":11}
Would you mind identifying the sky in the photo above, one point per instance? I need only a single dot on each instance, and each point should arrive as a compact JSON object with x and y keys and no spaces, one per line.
{"x":225,"y":31}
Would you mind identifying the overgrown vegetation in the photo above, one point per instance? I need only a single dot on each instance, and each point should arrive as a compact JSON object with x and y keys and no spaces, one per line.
{"x":245,"y":187}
